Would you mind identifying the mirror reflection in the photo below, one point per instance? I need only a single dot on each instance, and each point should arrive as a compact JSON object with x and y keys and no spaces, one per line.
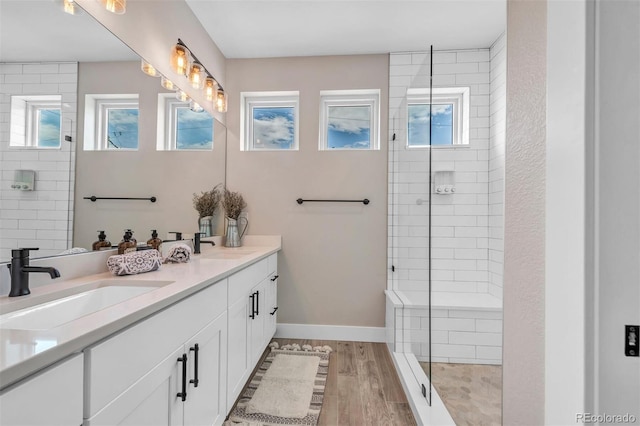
{"x":83,"y":120}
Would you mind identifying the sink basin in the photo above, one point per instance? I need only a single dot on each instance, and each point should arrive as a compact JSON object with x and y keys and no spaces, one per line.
{"x":90,"y":298}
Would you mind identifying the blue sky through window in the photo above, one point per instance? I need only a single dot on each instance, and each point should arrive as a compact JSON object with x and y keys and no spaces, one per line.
{"x":349,"y":127}
{"x":418,"y":124}
{"x":273,"y":127}
{"x":49,"y":128}
{"x":122,"y":128}
{"x":194,"y":129}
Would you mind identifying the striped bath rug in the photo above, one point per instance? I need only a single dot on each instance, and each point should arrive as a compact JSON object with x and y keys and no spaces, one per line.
{"x":287,"y":389}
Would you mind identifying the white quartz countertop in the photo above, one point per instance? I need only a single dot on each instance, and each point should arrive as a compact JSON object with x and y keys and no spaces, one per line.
{"x":23,"y":352}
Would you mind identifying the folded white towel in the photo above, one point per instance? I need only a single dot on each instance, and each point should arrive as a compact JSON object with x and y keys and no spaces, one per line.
{"x":178,"y":253}
{"x":135,"y":262}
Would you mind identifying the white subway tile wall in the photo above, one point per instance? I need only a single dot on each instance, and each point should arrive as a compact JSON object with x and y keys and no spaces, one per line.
{"x":466,"y":227}
{"x":496,"y":165}
{"x":42,"y":218}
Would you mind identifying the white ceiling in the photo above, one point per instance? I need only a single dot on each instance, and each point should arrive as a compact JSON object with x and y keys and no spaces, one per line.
{"x":39,"y":30}
{"x":266,"y":28}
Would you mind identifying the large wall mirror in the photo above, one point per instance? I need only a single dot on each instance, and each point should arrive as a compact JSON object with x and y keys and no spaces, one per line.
{"x":48,"y":55}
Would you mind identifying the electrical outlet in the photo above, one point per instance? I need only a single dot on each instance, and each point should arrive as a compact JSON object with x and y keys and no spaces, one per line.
{"x":632,"y":340}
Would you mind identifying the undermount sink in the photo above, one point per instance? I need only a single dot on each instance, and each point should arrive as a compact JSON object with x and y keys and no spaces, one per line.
{"x":88,"y":298}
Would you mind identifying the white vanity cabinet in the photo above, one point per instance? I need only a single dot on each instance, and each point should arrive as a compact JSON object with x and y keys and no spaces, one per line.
{"x":146,"y":374}
{"x":251,"y":325}
{"x":50,"y":397}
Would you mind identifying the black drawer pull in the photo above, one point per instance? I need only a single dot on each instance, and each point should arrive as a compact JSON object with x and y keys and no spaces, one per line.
{"x":195,"y":380}
{"x":183,"y":394}
{"x":257,"y":303}
{"x":274,"y":310}
{"x":275,"y":277}
{"x":253,"y":306}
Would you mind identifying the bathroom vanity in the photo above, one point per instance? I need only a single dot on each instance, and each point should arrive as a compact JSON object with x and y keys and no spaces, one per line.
{"x":174,"y":346}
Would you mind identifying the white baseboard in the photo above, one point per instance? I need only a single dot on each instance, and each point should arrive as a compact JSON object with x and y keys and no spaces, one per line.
{"x":331,"y":332}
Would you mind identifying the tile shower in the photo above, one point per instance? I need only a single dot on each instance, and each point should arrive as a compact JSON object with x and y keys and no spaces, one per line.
{"x":460,"y":319}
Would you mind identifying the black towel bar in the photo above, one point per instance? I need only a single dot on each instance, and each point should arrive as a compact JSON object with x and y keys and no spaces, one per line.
{"x":94,"y":198}
{"x":365,"y":201}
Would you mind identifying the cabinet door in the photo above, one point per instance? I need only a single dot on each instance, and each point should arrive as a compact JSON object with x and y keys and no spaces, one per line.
{"x":271,"y":308}
{"x":257,"y":322}
{"x":206,"y":396}
{"x":52,"y":397}
{"x":238,"y":348}
{"x":151,"y":401}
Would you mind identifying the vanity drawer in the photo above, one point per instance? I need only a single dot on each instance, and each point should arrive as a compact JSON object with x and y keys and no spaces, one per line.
{"x":273,"y":263}
{"x":115,"y":364}
{"x":241,"y":282}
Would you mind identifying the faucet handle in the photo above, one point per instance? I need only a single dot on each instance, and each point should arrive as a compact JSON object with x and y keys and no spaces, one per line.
{"x":178,"y":234}
{"x":22,"y":252}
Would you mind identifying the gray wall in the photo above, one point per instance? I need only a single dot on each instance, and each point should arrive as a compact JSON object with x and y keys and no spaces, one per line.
{"x":333,"y":263}
{"x":524,"y":266}
{"x":618,"y":202}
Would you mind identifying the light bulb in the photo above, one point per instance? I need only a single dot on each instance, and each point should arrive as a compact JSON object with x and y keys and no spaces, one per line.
{"x":181,"y":96}
{"x":148,"y":69}
{"x":115,"y":6}
{"x":70,"y":7}
{"x":221,"y":101}
{"x":195,"y":107}
{"x":180,"y":59}
{"x":195,"y":76}
{"x":210,"y":88}
{"x":167,"y":84}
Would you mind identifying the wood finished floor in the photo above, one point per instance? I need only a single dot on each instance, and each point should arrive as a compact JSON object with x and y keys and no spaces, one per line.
{"x":362,"y":388}
{"x":472,"y":393}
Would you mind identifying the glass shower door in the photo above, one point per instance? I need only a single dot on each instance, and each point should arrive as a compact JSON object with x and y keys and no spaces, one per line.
{"x":409,"y":247}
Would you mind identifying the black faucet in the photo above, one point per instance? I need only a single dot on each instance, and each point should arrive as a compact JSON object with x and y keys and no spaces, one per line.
{"x":20,"y":270}
{"x":178,"y":237}
{"x":197,"y":241}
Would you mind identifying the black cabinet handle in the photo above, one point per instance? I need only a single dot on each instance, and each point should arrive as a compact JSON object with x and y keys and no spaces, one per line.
{"x":257,"y":303}
{"x":253,"y":306}
{"x":183,"y":394}
{"x":275,"y":277}
{"x":274,"y":310}
{"x":195,"y":380}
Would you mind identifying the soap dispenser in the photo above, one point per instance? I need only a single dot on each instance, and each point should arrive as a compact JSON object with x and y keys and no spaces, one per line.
{"x":127,"y":244}
{"x":102,"y":242}
{"x":133,"y":240}
{"x":154,"y":242}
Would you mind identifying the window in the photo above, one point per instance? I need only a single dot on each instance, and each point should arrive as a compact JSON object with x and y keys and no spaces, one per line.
{"x":35,"y":121}
{"x":111,"y":122}
{"x":269,"y":121}
{"x":180,"y":128}
{"x":349,"y":119}
{"x":450,"y":113}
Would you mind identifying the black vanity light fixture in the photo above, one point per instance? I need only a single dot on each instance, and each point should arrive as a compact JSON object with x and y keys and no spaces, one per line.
{"x":184,"y":62}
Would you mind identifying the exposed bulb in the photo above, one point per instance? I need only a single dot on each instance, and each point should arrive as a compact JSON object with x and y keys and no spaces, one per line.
{"x":180,"y":59}
{"x":167,"y":84}
{"x":195,"y":107}
{"x":182,"y":96}
{"x":221,"y":101}
{"x":195,"y":76}
{"x":70,"y":7}
{"x":148,"y":69}
{"x":210,"y":88}
{"x":115,"y":6}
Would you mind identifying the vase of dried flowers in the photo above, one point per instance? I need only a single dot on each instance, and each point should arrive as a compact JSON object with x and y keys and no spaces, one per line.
{"x":233,"y":204}
{"x":206,"y":205}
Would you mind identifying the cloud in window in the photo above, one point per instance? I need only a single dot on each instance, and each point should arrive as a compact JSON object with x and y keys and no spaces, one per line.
{"x":273,"y":128}
{"x":350,"y":119}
